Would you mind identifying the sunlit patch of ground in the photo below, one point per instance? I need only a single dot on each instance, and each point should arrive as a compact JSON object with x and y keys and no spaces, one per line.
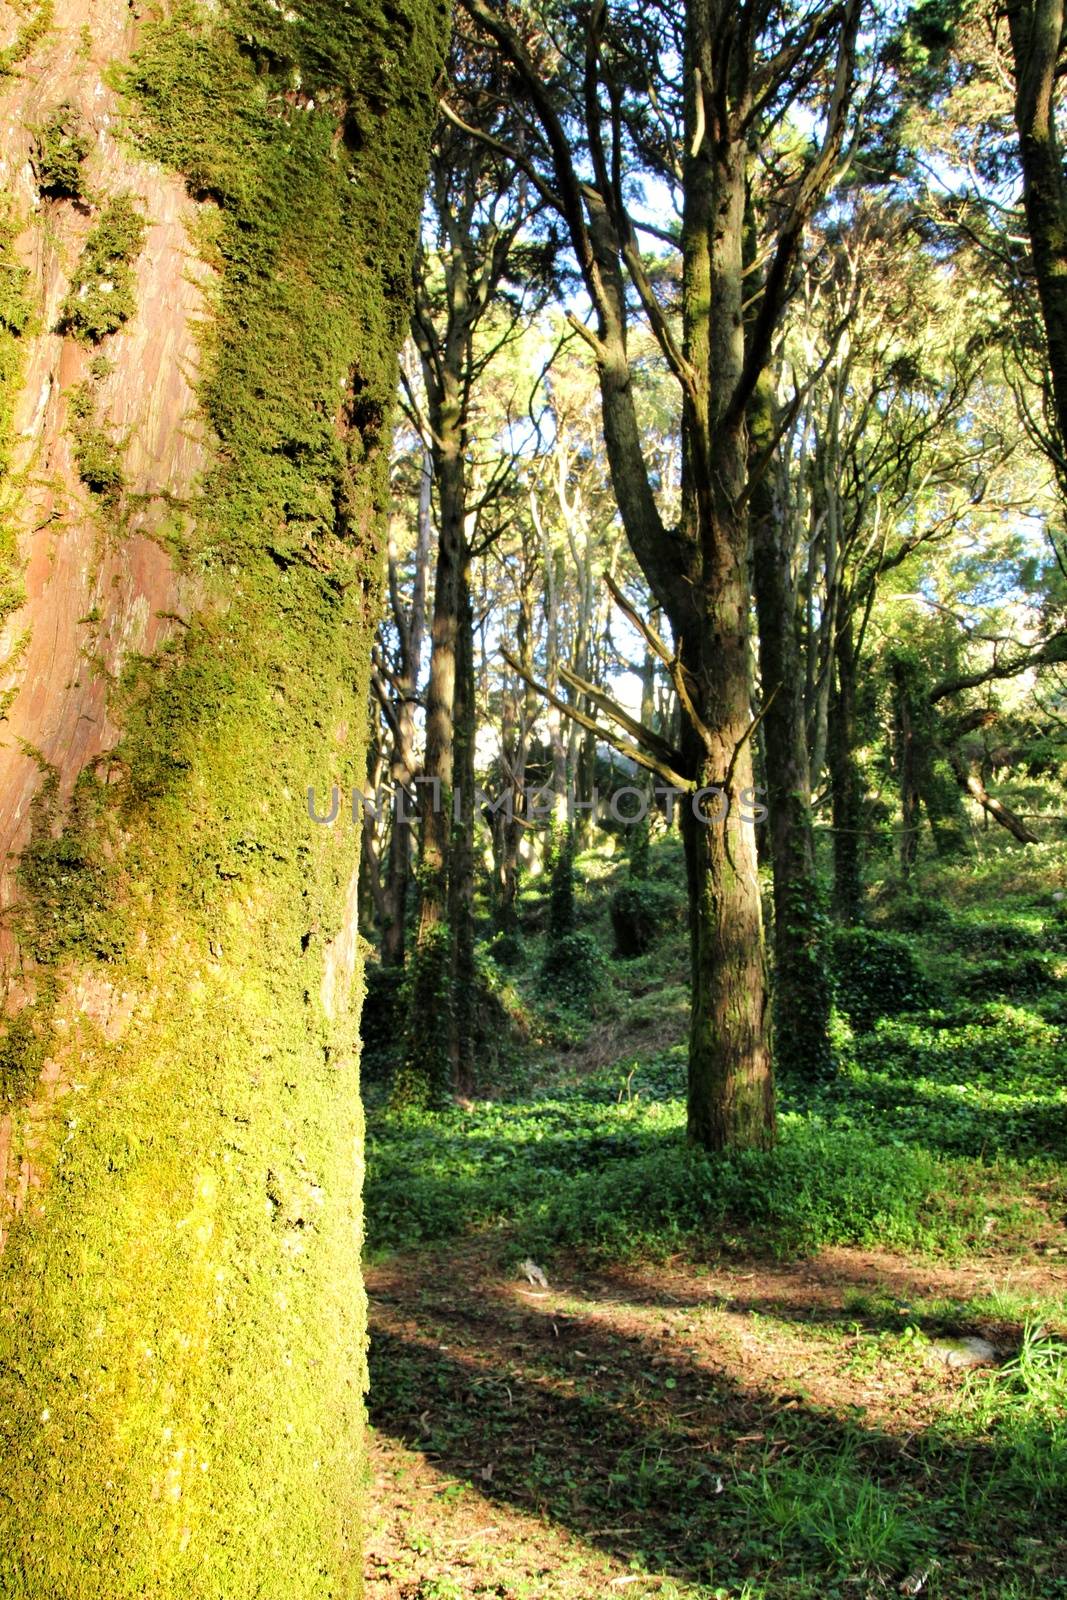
{"x":761,"y":1431}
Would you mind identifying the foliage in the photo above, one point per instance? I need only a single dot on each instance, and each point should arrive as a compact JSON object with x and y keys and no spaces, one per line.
{"x":573,"y":968}
{"x":640,"y":910}
{"x":424,"y":1075}
{"x":507,"y":950}
{"x":101,"y":295}
{"x":98,"y":457}
{"x":876,"y":975}
{"x":381,"y":1020}
{"x":16,"y":315}
{"x":62,"y":145}
{"x":30,"y":32}
{"x":562,"y":916}
{"x":803,"y":1046}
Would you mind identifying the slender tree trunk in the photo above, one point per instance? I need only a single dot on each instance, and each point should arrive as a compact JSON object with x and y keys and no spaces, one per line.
{"x":182,"y":1328}
{"x":516,"y":753}
{"x":972,"y":785}
{"x":697,"y":569}
{"x":845,"y":789}
{"x":731,"y":1085}
{"x":461,"y":875}
{"x":907,"y":770}
{"x":731,"y":1077}
{"x":412,"y":630}
{"x":802,"y":994}
{"x":426,"y":1075}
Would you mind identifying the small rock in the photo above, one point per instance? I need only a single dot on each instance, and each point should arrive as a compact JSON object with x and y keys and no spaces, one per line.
{"x":969,"y":1351}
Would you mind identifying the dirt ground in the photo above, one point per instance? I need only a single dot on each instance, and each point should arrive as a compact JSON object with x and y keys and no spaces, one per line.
{"x":575,"y":1440}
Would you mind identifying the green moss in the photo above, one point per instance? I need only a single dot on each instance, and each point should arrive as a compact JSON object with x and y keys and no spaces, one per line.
{"x":24,"y":1043}
{"x":69,"y":877}
{"x":62,"y":145}
{"x":302,"y":233}
{"x":101,"y":296}
{"x":16,"y":312}
{"x":98,"y":457}
{"x":182,"y":1324}
{"x":30,"y":33}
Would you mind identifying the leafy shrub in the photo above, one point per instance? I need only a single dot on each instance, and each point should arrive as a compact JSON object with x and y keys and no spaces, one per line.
{"x":876,"y":975}
{"x":1023,"y":975}
{"x":573,"y":968}
{"x":639,"y":911}
{"x":916,"y":915}
{"x":98,"y":457}
{"x":562,"y":916}
{"x":507,"y":950}
{"x":499,"y":1022}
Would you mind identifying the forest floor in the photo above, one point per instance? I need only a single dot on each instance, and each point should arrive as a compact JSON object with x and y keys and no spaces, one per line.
{"x":684,"y":1431}
{"x":740,"y":1380}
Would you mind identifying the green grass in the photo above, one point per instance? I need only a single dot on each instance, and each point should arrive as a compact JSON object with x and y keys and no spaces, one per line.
{"x":602,"y":1165}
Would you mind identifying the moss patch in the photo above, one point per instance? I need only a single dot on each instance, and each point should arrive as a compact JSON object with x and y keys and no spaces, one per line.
{"x":16,"y":314}
{"x":62,"y":145}
{"x":98,"y":457}
{"x":101,"y":296}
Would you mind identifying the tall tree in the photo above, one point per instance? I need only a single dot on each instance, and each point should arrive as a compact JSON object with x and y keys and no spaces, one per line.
{"x":181,"y":1332}
{"x":604,"y":107}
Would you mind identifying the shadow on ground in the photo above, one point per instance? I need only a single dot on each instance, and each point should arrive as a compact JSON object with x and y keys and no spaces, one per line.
{"x":658,"y":1433}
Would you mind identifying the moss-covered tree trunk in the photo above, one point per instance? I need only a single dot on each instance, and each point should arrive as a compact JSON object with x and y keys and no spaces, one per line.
{"x":206,"y":259}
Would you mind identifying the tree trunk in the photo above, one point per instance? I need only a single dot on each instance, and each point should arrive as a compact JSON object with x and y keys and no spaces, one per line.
{"x":971,"y":784}
{"x":697,"y":569}
{"x":906,"y":773}
{"x":845,"y":792}
{"x":426,"y":1074}
{"x":461,"y":875}
{"x":801,"y":976}
{"x":411,"y":629}
{"x":731,"y":1084}
{"x":1036,"y":28}
{"x":182,"y":1331}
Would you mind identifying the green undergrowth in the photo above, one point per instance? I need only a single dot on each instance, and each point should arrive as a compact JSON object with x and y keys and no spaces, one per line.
{"x":942,"y":1130}
{"x":602,"y":1166}
{"x":182,"y":1317}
